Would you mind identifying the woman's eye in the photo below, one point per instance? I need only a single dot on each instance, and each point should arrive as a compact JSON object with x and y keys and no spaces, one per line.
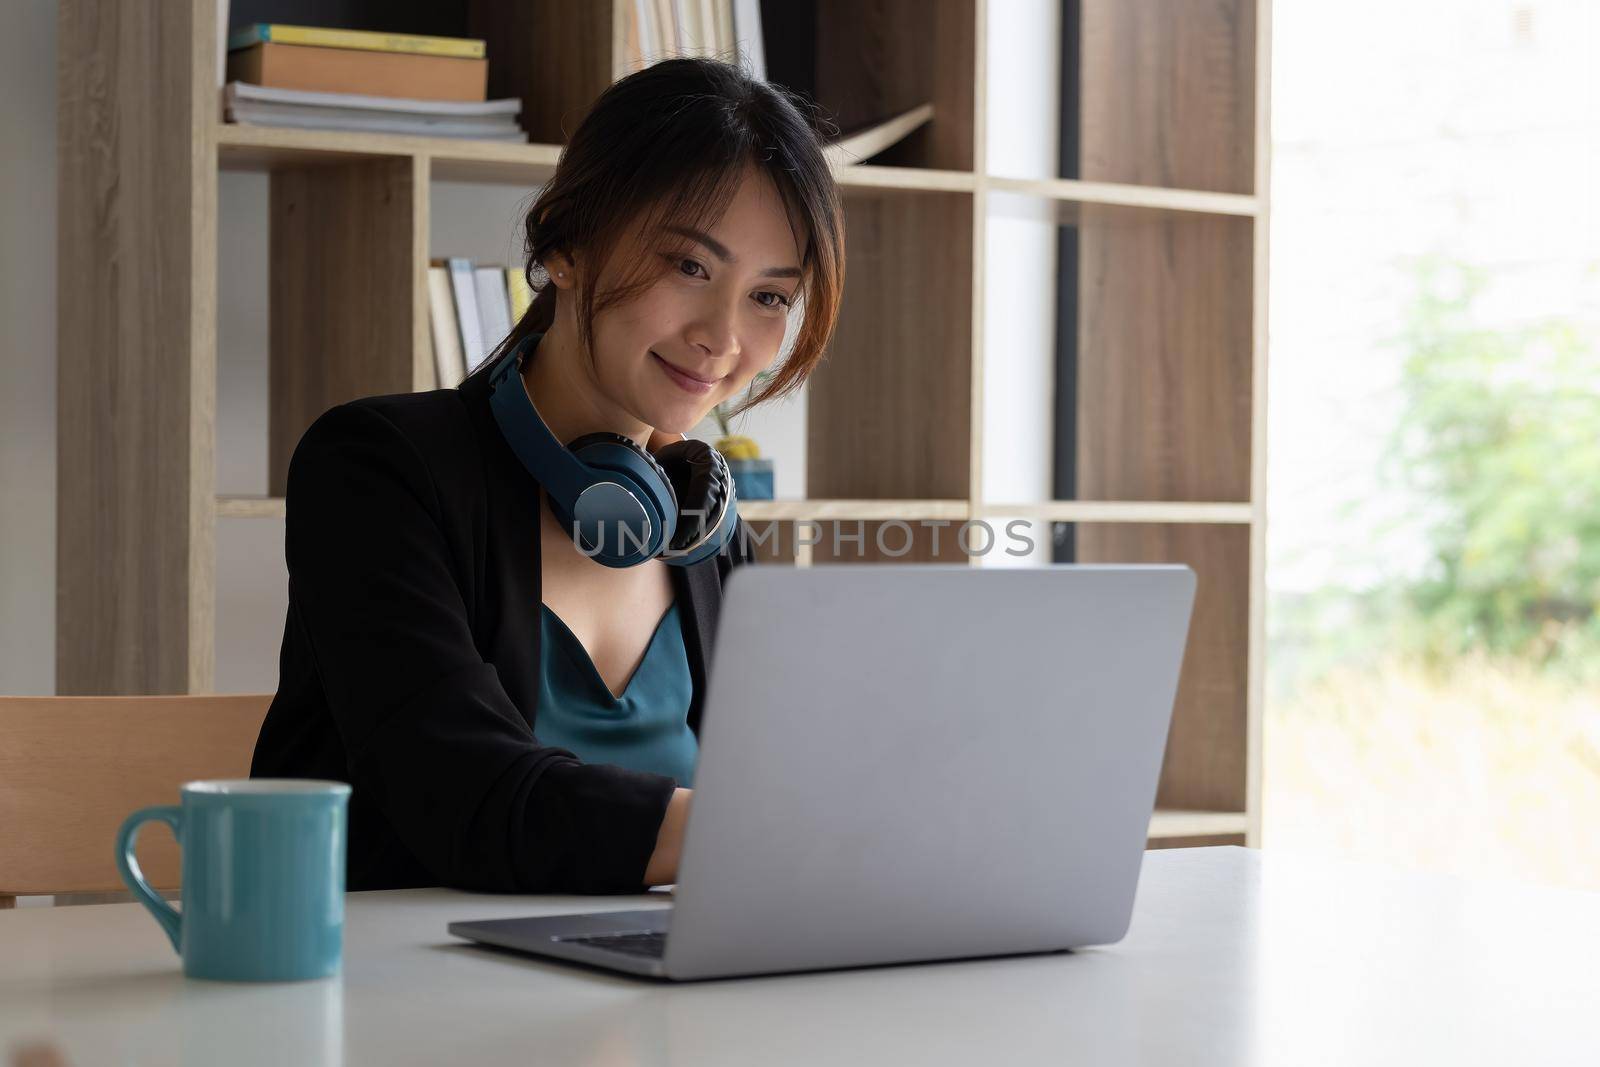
{"x":779,"y":299}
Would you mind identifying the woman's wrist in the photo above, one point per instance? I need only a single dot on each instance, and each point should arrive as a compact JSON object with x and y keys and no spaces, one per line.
{"x":663,"y":866}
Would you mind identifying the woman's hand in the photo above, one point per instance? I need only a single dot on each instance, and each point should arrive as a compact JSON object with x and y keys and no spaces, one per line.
{"x":663,"y":866}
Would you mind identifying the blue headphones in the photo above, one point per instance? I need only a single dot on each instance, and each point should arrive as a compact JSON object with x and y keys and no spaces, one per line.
{"x":620,"y":502}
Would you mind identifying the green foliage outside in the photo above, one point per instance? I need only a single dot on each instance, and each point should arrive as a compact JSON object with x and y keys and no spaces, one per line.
{"x":1498,"y":441}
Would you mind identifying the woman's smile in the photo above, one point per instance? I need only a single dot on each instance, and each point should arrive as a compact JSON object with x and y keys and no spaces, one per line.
{"x":684,"y":380}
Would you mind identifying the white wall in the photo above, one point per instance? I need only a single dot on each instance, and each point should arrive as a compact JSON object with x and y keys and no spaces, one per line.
{"x":1024,"y":62}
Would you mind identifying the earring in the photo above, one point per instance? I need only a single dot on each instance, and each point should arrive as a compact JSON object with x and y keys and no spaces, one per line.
{"x":561,"y":274}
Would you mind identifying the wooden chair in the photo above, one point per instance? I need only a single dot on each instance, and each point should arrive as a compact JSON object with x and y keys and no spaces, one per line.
{"x":72,"y":768}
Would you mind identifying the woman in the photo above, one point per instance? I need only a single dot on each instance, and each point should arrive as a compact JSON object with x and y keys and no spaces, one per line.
{"x":451,"y":650}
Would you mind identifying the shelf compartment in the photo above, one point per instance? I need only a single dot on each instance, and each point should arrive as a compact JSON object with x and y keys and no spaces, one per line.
{"x":556,"y":57}
{"x":1204,"y":769}
{"x":1208,"y":744}
{"x":889,"y":407}
{"x":1162,"y":93}
{"x":344,"y":291}
{"x":1164,"y":366}
{"x":1155,"y":309}
{"x":865,"y":60}
{"x":1185,"y":133}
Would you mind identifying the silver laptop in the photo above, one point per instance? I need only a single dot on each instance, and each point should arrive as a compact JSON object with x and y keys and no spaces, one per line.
{"x":908,"y":762}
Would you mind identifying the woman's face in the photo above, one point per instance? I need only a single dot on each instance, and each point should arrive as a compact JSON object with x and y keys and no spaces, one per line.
{"x":712,"y":320}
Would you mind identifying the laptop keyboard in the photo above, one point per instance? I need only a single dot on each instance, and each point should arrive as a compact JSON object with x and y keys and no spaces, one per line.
{"x":652,"y":943}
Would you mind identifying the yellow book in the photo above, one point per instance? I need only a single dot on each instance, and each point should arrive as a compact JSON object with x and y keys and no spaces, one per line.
{"x":372,"y":41}
{"x":519,"y":293}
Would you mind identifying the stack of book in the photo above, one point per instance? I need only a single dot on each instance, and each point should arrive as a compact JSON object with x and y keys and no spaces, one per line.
{"x":328,"y":79}
{"x":471,"y":308}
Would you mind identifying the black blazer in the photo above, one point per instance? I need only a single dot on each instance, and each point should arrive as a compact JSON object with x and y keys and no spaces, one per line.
{"x":410,"y":661}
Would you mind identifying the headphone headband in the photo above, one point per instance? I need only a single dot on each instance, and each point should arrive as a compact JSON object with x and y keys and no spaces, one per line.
{"x":563,"y":474}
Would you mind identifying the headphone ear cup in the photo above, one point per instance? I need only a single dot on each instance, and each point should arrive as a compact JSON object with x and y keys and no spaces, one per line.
{"x":704,"y":486}
{"x":640,"y":472}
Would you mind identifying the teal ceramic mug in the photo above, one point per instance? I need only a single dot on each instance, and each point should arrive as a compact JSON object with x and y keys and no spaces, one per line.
{"x":263,"y":877}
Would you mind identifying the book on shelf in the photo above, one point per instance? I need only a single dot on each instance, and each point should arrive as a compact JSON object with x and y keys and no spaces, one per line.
{"x":368,"y":40}
{"x":746,"y":21}
{"x":368,"y":73}
{"x":263,"y":105}
{"x":667,"y":27}
{"x":518,"y":292}
{"x":697,"y":26}
{"x":630,"y":34}
{"x":868,"y":142}
{"x":659,"y":29}
{"x":449,"y":364}
{"x":494,"y":306}
{"x":471,"y":309}
{"x":720,"y":14}
{"x":464,"y":287}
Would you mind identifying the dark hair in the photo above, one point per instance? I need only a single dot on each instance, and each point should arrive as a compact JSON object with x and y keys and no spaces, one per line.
{"x":668,"y":145}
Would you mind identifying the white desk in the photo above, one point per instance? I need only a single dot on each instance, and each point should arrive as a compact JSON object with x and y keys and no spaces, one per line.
{"x":1235,"y":957}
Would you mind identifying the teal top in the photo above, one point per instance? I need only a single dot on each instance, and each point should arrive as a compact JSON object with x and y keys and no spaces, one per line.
{"x":646,"y":729}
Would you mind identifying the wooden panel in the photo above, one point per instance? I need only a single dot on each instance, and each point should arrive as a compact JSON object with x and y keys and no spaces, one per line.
{"x":1165,"y":302}
{"x":1121,"y":511}
{"x":1169,"y":823}
{"x":555,"y":56}
{"x":870,"y":508}
{"x":424,"y":369}
{"x":1071,"y":191}
{"x":1205,"y":758}
{"x":265,"y":148}
{"x":1168,"y":93}
{"x":344,"y":285}
{"x":136,"y":207}
{"x":890,"y":541}
{"x":1195,"y":842}
{"x":772,"y":540}
{"x":1164,"y":356}
{"x":1168,"y":323}
{"x":73,"y":768}
{"x":889,"y":409}
{"x":879,"y":58}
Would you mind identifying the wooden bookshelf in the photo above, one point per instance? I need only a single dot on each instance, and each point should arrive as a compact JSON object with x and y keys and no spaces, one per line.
{"x":1169,"y":207}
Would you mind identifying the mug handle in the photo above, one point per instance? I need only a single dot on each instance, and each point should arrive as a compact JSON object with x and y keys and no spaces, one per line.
{"x":128,"y":864}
